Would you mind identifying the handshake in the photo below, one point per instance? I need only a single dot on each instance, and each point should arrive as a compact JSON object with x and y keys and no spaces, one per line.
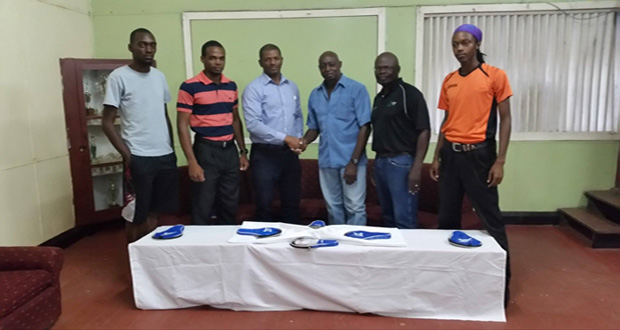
{"x":297,"y":145}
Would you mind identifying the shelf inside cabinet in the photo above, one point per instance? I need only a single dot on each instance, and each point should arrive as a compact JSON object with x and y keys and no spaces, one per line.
{"x":107,"y":169}
{"x":108,"y":163}
{"x":96,"y":120}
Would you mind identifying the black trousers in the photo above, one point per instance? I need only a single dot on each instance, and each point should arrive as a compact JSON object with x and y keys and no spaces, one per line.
{"x":466,"y":173}
{"x":220,"y":163}
{"x":276,"y":166}
{"x":155,"y":181}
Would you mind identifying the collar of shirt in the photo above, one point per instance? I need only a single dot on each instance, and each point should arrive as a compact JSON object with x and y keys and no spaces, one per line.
{"x":265,"y":79}
{"x":342,"y":82}
{"x":202,"y":77}
{"x":383,"y":93}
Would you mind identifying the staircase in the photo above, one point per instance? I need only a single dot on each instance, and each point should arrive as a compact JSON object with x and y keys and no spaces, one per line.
{"x":600,"y":220}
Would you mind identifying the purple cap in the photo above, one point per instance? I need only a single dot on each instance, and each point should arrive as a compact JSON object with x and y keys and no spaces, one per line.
{"x":470,"y":28}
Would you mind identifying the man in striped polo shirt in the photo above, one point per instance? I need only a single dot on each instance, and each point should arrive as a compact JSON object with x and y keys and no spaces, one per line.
{"x":208,"y":104}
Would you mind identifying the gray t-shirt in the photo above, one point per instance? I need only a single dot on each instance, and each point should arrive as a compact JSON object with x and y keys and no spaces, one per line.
{"x":140,"y":99}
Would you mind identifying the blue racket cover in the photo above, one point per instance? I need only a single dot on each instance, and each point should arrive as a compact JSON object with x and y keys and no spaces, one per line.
{"x":367,"y":235}
{"x":317,"y":224}
{"x":172,"y":232}
{"x":461,"y":239}
{"x":259,"y":232}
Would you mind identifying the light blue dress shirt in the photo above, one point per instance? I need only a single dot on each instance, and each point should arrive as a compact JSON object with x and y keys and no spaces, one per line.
{"x":272,"y":111}
{"x":338,"y":120}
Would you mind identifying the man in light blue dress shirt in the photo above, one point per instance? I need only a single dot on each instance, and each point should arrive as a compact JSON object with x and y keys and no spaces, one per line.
{"x":273,"y":116}
{"x":339,"y":110}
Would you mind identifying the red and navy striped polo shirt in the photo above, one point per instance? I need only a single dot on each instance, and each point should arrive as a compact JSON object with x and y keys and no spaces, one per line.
{"x":211,"y":106}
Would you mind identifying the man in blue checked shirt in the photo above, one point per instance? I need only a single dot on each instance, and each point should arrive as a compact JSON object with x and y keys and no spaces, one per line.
{"x":339,"y":110}
{"x":273,"y":117}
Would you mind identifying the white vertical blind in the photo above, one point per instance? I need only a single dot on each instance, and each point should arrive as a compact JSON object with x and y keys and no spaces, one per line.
{"x":563,"y":66}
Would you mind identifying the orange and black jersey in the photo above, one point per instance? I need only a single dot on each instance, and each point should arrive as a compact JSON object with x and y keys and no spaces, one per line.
{"x":471,"y":103}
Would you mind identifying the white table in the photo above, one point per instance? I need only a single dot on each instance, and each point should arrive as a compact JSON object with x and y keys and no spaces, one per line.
{"x":427,"y":279}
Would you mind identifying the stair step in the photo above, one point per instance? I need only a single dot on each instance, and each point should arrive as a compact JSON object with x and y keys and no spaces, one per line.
{"x":605,"y":202}
{"x":609,"y":197}
{"x":591,"y":220}
{"x":592,"y":224}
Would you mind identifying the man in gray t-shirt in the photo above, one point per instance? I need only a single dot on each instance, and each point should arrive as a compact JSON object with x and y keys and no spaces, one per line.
{"x":140,"y":98}
{"x":138,"y":93}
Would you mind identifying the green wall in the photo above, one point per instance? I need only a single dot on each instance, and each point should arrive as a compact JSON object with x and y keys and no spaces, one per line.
{"x":539,"y":175}
{"x":339,"y":34}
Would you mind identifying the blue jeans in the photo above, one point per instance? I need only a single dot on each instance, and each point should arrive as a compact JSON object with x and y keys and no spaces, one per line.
{"x":399,"y":208}
{"x":345,"y":202}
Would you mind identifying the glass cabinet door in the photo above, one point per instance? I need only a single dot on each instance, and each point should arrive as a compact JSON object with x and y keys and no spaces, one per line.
{"x":106,"y":164}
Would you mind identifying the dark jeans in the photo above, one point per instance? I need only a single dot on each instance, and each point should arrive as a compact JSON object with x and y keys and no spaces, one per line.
{"x":466,"y":173}
{"x":221,"y":186}
{"x":276,"y":166}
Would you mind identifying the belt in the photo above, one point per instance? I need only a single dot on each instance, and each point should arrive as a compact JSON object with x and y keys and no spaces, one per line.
{"x":391,"y":154}
{"x":463,"y":147}
{"x":270,"y":146}
{"x":222,"y":144}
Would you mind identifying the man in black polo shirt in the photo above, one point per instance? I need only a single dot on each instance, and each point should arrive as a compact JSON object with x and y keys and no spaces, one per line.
{"x":401,"y":130}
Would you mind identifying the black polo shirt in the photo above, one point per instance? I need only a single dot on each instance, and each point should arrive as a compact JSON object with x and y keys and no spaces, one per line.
{"x":397,"y":119}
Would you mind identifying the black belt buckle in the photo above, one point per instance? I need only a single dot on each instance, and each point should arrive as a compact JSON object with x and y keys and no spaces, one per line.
{"x":463,"y":147}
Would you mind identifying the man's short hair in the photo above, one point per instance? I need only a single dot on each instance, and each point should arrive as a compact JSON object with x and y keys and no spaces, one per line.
{"x":268,"y":47}
{"x":136,"y":31}
{"x":210,"y":43}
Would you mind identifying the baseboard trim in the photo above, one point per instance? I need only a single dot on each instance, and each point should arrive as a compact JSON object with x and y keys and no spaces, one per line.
{"x":531,"y":218}
{"x":65,"y":239}
{"x":69,"y":237}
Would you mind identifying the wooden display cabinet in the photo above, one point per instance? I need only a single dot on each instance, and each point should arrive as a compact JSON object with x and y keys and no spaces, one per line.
{"x":96,"y":167}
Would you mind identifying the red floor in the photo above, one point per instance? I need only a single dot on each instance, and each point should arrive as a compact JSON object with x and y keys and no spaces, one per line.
{"x":558,"y":282}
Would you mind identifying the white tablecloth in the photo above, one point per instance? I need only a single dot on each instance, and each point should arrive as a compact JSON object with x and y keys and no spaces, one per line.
{"x":429,"y":278}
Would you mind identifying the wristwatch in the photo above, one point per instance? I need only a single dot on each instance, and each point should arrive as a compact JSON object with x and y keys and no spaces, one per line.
{"x":355,"y":161}
{"x":244,"y":151}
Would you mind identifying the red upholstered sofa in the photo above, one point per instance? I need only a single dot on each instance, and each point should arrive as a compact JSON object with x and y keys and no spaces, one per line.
{"x":29,"y":287}
{"x":312,"y":203}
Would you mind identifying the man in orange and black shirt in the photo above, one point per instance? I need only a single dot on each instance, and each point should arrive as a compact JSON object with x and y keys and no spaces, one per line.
{"x":466,"y":160}
{"x":208,"y":103}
